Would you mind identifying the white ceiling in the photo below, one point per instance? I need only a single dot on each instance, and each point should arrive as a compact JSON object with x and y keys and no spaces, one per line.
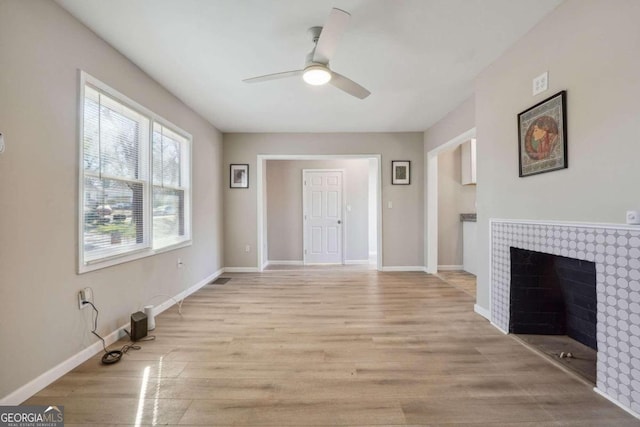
{"x":417,"y":57}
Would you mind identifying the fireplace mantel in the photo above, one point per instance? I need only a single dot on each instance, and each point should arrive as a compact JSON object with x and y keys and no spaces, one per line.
{"x":615,"y":249}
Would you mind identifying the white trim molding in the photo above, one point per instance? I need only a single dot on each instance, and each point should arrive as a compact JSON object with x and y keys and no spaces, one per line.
{"x":450,"y":268}
{"x":241,"y":270}
{"x":568,"y":223}
{"x":618,"y":404}
{"x":356,"y":262}
{"x":285,"y":262}
{"x":482,"y":312}
{"x":34,"y":386}
{"x":419,"y":268}
{"x":184,"y":294}
{"x":499,"y":328}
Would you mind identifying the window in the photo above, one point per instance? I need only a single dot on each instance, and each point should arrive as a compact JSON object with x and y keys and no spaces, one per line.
{"x":135,"y":180}
{"x":170,"y":186}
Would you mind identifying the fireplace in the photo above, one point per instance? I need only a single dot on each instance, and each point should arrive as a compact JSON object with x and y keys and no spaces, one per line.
{"x":614,"y":251}
{"x":552,"y":295}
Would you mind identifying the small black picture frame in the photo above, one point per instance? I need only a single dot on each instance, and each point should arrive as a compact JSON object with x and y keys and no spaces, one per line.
{"x":542,"y":136}
{"x":400,"y":172}
{"x":239,"y":176}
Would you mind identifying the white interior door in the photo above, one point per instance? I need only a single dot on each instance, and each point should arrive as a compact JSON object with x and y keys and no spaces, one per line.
{"x":322,"y":196}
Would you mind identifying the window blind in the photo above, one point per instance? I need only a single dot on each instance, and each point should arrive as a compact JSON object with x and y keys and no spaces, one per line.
{"x":115,"y":174}
{"x":170,"y":186}
{"x":134,"y":186}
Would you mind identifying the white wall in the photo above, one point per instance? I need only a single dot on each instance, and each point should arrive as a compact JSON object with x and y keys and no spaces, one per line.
{"x":402,"y":225}
{"x":41,"y":49}
{"x":284,"y":206}
{"x":456,"y":122}
{"x":590,"y":48}
{"x":453,"y":199}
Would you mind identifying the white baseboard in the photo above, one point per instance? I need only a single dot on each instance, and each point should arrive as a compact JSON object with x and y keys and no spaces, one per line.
{"x":615,"y":402}
{"x":449,"y":267}
{"x":285,"y":262}
{"x":323,"y":263}
{"x":499,"y":328}
{"x":182,"y":295}
{"x":32,"y":387}
{"x":356,"y":262}
{"x":241,"y":269}
{"x":482,"y":312}
{"x":404,"y":268}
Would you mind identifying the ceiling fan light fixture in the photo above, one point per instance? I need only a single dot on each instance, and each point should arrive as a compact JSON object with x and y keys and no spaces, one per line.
{"x":316,"y":75}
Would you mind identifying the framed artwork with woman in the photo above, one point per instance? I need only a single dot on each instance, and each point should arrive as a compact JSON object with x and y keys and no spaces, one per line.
{"x":542,"y":136}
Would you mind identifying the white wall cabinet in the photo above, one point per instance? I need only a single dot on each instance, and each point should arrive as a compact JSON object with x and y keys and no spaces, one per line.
{"x":468,"y":158}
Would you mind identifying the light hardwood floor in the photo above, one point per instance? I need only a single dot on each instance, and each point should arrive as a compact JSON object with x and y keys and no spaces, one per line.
{"x":318,"y":347}
{"x":462,"y":280}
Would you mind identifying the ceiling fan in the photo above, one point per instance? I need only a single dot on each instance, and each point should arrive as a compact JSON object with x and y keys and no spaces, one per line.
{"x":316,"y":71}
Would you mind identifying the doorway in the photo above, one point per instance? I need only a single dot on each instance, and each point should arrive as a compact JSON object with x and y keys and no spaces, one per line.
{"x":280,"y":231}
{"x":433,"y":197}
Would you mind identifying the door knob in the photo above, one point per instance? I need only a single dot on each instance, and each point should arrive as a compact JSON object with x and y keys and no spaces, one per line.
{"x":339,"y":222}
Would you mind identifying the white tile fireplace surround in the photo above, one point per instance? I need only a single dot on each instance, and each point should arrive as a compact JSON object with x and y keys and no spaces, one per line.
{"x":615,"y":250}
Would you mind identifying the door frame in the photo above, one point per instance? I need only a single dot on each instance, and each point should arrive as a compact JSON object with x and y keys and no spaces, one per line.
{"x":431,"y":238}
{"x":343,"y":214}
{"x":261,"y":199}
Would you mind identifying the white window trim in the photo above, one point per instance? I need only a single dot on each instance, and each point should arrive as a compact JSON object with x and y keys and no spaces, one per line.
{"x":85,"y":266}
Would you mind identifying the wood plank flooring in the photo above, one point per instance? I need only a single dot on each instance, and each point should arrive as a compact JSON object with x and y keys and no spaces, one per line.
{"x":320,"y":347}
{"x":462,"y":280}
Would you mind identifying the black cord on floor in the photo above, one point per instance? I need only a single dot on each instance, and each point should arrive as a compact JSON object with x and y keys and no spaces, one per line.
{"x":113,"y":356}
{"x":147,"y":338}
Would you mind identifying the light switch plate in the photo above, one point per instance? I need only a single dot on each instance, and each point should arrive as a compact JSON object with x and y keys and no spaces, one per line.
{"x":541,"y":83}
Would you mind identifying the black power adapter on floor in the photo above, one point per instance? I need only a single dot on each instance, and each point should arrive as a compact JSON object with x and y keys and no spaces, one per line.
{"x":138,"y":326}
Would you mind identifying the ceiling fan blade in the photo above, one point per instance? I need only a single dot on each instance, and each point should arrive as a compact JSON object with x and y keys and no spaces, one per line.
{"x":273,"y":76}
{"x":330,"y":35}
{"x":348,"y":85}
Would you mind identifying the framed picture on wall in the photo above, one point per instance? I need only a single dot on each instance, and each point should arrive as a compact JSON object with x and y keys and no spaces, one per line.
{"x":542,"y":136}
{"x":239,"y":176}
{"x":400,"y":172}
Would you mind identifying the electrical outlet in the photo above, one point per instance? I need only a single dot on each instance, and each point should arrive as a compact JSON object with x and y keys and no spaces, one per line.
{"x":84,"y":295}
{"x":247,"y":248}
{"x":633,"y":217}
